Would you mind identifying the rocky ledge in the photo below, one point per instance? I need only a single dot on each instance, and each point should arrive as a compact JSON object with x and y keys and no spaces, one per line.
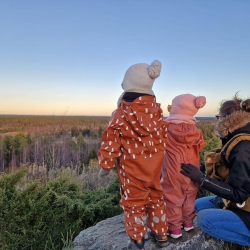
{"x":110,"y":235}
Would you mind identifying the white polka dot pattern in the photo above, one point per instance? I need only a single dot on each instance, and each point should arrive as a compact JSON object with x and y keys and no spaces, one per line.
{"x":136,"y":137}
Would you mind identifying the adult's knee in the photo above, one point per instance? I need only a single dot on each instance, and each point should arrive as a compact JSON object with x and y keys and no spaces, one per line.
{"x":203,"y":220}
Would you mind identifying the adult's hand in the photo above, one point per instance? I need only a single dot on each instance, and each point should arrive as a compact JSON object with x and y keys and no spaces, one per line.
{"x":192,"y":172}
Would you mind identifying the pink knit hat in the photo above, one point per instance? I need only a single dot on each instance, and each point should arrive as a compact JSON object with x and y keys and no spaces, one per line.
{"x":187,"y":104}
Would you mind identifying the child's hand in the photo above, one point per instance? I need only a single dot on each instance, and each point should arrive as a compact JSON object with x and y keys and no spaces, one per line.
{"x":103,"y":172}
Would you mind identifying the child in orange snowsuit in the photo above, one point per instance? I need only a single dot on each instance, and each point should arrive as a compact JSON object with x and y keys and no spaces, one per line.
{"x":183,"y":144}
{"x":135,"y":139}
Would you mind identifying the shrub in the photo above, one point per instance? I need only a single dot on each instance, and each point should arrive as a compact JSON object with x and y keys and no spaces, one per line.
{"x":212,"y":143}
{"x":39,"y":216}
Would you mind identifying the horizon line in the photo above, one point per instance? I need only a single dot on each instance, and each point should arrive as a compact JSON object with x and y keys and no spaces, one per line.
{"x":208,"y":116}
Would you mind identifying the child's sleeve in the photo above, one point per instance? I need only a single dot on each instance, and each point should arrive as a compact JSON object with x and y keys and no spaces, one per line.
{"x":110,"y":148}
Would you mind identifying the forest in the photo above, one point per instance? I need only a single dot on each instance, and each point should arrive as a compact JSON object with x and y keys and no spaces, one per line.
{"x":48,"y":144}
{"x":51,"y":141}
{"x":59,"y":141}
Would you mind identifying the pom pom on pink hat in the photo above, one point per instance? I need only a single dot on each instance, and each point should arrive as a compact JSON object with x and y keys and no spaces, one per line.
{"x":187,"y":104}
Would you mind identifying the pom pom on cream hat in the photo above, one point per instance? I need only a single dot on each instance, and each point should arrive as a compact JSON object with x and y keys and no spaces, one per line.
{"x":140,"y":78}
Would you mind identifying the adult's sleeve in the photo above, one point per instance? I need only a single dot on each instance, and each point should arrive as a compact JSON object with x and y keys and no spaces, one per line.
{"x":238,"y":187}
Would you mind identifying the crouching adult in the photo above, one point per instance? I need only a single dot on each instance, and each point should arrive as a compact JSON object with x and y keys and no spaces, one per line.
{"x":226,"y":215}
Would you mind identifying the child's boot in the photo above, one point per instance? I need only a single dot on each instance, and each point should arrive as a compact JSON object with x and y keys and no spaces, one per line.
{"x":136,"y":244}
{"x":176,"y":233}
{"x":188,"y":227}
{"x":161,"y":240}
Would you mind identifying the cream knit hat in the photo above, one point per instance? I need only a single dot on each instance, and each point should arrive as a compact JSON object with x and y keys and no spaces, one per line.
{"x":140,"y":78}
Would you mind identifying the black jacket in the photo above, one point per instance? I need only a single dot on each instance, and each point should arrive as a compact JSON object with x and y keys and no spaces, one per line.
{"x":238,"y":187}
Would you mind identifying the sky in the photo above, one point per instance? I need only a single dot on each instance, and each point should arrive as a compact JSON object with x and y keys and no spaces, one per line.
{"x":69,"y":57}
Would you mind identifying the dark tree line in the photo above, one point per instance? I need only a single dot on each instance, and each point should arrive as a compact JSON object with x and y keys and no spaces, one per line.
{"x":51,"y":141}
{"x":46,"y":150}
{"x":56,"y":145}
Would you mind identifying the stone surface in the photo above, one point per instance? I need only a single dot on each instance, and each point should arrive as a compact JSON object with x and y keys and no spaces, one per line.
{"x":110,"y":235}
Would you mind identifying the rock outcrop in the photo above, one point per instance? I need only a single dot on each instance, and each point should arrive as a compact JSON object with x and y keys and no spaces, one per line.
{"x":110,"y":235}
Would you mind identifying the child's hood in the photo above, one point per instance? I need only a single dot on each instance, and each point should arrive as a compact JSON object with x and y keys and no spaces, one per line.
{"x":185,"y":133}
{"x":143,"y":114}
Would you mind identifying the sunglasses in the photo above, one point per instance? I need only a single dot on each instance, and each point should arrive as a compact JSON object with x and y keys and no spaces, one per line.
{"x":219,"y":116}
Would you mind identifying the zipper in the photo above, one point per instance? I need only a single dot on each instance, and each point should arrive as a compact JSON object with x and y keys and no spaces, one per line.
{"x":217,"y":185}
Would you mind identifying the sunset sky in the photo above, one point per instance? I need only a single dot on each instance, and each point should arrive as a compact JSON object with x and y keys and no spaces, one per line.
{"x":69,"y":57}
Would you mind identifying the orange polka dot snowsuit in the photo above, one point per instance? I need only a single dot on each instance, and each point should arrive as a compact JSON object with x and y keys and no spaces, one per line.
{"x":135,"y":136}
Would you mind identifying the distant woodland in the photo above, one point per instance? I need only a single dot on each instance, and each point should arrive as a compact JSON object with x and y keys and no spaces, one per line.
{"x":51,"y":141}
{"x":60,"y":141}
